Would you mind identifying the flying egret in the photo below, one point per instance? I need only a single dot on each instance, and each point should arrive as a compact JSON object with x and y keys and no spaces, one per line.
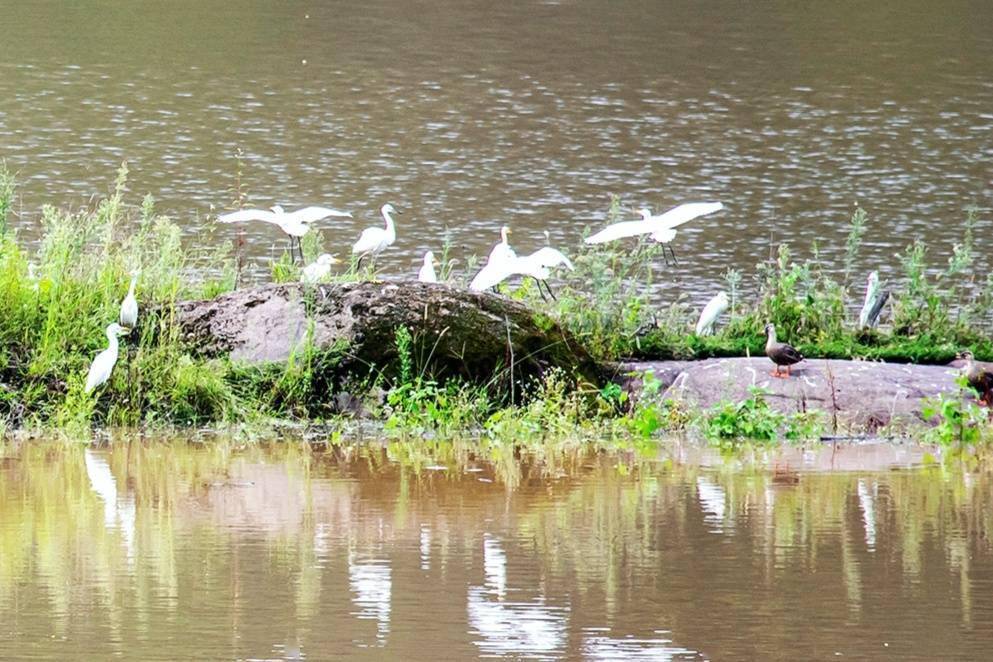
{"x":129,"y":307}
{"x":427,"y":274}
{"x":374,"y":241}
{"x":662,"y":228}
{"x":714,"y":308}
{"x":104,"y":362}
{"x":537,"y":265}
{"x":295,"y":224}
{"x":319,"y":269}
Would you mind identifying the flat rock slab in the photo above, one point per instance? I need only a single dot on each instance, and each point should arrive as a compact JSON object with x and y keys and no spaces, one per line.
{"x":862,"y":393}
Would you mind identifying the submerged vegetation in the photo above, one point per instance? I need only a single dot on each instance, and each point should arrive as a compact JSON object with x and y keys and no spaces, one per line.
{"x":58,"y":300}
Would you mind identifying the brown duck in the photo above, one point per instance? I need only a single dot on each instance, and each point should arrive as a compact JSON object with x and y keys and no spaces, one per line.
{"x":780,"y":353}
{"x":980,"y":377}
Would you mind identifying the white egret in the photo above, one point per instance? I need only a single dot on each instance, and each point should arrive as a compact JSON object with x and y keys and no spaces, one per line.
{"x":662,"y":228}
{"x":502,"y":250}
{"x":501,"y":255}
{"x":374,"y":241}
{"x":537,"y":265}
{"x":129,"y":307}
{"x":717,"y":305}
{"x":295,"y":224}
{"x":104,"y":362}
{"x":874,"y":302}
{"x":319,"y":269}
{"x":427,"y":273}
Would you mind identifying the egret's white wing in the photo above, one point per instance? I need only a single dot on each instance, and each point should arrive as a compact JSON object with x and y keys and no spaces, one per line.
{"x":369,"y":240}
{"x":492,"y":275}
{"x":683,"y":214}
{"x":249,"y":215}
{"x":100,"y":369}
{"x":129,"y":311}
{"x":427,"y":274}
{"x":312,"y":214}
{"x":501,"y":252}
{"x":620,"y":231}
{"x":550,"y":257}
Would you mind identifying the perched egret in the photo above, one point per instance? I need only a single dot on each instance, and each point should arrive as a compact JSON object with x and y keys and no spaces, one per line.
{"x":780,"y":353}
{"x":374,"y":241}
{"x":295,"y":224}
{"x":537,"y":265}
{"x":319,"y":269}
{"x":129,"y":307}
{"x":713,"y":310}
{"x":662,"y":228}
{"x":104,"y":362}
{"x":427,"y":274}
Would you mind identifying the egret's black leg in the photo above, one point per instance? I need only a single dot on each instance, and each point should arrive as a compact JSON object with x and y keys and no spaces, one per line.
{"x":665,"y":256}
{"x":549,"y":288}
{"x":674,"y":260}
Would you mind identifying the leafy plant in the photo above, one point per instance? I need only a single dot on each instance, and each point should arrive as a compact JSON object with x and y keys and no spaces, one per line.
{"x":960,"y":423}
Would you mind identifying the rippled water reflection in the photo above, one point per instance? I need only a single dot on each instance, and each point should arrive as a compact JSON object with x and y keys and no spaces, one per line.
{"x":173,"y":551}
{"x":472,"y":114}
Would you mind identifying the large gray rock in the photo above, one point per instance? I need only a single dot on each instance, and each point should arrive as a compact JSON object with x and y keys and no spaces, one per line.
{"x":464,"y":333}
{"x":862,"y":394}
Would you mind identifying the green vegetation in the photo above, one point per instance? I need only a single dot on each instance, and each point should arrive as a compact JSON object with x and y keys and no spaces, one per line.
{"x":58,"y":300}
{"x":610,"y":303}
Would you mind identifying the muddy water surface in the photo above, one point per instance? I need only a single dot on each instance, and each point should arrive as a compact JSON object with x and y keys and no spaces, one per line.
{"x":170,"y":551}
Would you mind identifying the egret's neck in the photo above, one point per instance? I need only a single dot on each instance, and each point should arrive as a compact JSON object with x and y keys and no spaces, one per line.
{"x":134,"y":281}
{"x":503,"y":237}
{"x":112,"y":341}
{"x":390,"y":229}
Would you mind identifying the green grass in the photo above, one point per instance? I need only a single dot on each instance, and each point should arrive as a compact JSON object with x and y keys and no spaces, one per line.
{"x":934,"y":312}
{"x":57,"y":301}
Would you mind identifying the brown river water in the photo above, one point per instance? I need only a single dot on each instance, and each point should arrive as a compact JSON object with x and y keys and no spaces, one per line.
{"x":472,"y":114}
{"x":452,"y":551}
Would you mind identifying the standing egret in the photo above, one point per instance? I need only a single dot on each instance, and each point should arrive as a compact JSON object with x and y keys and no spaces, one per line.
{"x":104,"y":362}
{"x":374,"y":241}
{"x":714,"y":308}
{"x":498,"y":264}
{"x":129,"y":307}
{"x":295,"y":224}
{"x":319,"y":269}
{"x":874,"y":302}
{"x":427,"y":274}
{"x":661,"y":227}
{"x":502,"y":250}
{"x":780,"y":353}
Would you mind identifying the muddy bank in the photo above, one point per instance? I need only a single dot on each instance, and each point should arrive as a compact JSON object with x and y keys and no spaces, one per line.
{"x":860,"y":393}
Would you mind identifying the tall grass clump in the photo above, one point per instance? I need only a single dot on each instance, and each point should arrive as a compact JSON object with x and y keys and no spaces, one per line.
{"x":58,"y":302}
